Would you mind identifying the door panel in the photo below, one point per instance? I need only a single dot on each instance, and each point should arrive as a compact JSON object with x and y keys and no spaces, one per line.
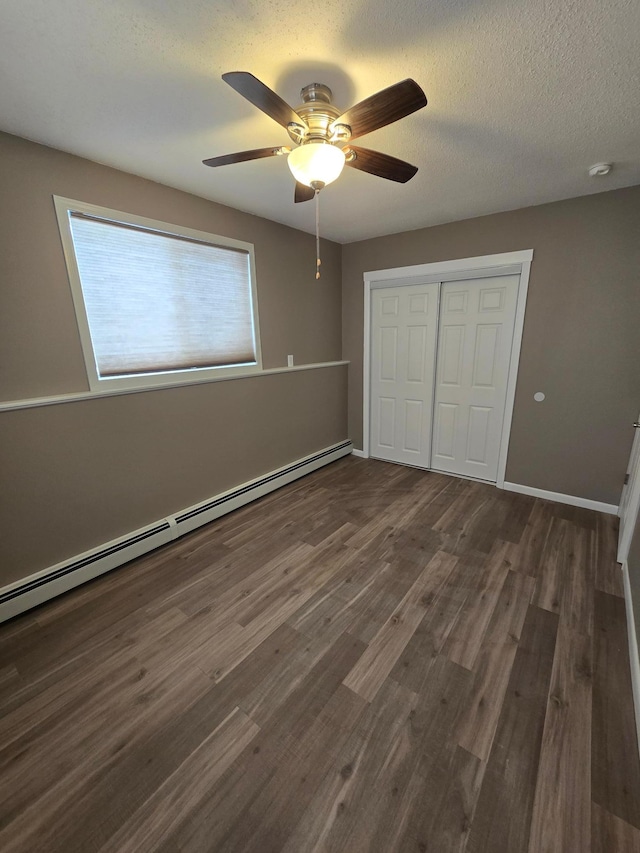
{"x":492,"y":299}
{"x":450,"y":357}
{"x":455,"y":301}
{"x":389,"y":305}
{"x":478,"y":435}
{"x":446,"y":423}
{"x":404,"y":323}
{"x":388,"y":353}
{"x":416,"y":361}
{"x":486,"y":350}
{"x":419,"y":303}
{"x":413,"y":425}
{"x":475,"y":336}
{"x":386,"y":421}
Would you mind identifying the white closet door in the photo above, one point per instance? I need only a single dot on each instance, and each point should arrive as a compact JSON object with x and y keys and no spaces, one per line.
{"x":403,"y":332}
{"x":474,"y":348}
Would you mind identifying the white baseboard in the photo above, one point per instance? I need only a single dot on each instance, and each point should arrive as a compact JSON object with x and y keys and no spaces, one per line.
{"x":634,"y":656}
{"x":48,"y":583}
{"x":359,"y":453}
{"x":585,"y":503}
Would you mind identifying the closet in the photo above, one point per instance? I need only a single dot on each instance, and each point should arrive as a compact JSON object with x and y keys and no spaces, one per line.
{"x":440,"y":355}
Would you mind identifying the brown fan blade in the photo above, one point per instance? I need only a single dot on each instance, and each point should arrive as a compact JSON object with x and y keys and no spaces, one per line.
{"x":382,"y":165}
{"x":242,"y":156}
{"x":303,"y":193}
{"x":383,"y":108}
{"x":262,"y":97}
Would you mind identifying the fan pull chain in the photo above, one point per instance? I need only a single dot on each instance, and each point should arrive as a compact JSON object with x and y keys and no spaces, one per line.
{"x":318,"y":261}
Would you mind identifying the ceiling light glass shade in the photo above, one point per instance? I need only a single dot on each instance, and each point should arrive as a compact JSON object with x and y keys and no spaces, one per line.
{"x":316,"y":161}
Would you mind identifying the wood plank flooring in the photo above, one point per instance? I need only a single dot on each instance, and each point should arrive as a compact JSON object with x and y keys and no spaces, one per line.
{"x":373,"y":658}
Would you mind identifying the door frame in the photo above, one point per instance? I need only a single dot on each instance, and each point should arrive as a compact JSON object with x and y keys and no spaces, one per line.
{"x":464,"y":268}
{"x":632,"y":507}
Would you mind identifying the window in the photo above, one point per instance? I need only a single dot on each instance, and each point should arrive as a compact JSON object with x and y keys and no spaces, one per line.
{"x":157,"y":303}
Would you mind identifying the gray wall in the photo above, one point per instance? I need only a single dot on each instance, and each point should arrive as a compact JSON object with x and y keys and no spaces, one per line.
{"x":580,"y":343}
{"x":78,"y":474}
{"x":81,"y":473}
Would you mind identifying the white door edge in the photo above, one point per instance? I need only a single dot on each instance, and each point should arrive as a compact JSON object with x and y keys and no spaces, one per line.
{"x":625,"y":540}
{"x":505,"y":259}
{"x":514,"y":362}
{"x":629,"y":508}
{"x":634,"y":657}
{"x":366,"y":370}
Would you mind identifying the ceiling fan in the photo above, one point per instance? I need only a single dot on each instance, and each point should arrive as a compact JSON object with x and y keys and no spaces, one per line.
{"x":323,"y":134}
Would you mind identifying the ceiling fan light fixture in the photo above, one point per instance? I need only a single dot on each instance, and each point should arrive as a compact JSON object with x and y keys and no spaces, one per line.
{"x":316,"y":162}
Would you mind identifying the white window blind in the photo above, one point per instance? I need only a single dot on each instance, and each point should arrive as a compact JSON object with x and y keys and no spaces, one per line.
{"x":159,"y":302}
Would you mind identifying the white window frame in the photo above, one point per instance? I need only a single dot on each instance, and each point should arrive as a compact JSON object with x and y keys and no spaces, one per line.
{"x":182,"y":376}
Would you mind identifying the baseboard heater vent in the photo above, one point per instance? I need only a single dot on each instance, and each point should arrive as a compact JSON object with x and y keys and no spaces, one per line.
{"x":275,"y":479}
{"x":47,"y":584}
{"x":82,"y":563}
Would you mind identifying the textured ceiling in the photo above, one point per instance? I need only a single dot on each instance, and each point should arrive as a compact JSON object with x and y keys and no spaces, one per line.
{"x":524,"y":95}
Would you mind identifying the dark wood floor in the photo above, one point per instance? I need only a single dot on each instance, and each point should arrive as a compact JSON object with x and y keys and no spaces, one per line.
{"x":373,"y":658}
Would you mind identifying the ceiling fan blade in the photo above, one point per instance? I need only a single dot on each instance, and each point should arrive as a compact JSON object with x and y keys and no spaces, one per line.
{"x":303,"y":193}
{"x":242,"y":156}
{"x":382,"y":165}
{"x":383,"y":108}
{"x":262,"y":97}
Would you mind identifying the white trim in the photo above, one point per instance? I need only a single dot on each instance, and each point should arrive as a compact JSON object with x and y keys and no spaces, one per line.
{"x":37,"y":588}
{"x":441,"y":277}
{"x":634,"y":657}
{"x":206,"y":511}
{"x":514,"y":363}
{"x":43,"y":585}
{"x":559,"y":497}
{"x":35,"y":402}
{"x":359,"y":453}
{"x":630,"y":501}
{"x":633,"y":511}
{"x":446,"y":269}
{"x":366,"y":371}
{"x":141,"y":381}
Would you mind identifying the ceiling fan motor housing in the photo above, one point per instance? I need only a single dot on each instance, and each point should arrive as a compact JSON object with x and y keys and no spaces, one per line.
{"x":319,"y":113}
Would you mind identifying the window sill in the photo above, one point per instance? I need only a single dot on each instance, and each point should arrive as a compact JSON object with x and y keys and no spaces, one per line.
{"x":34,"y":402}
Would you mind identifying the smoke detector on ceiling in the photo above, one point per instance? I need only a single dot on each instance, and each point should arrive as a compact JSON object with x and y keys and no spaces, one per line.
{"x":600,"y":169}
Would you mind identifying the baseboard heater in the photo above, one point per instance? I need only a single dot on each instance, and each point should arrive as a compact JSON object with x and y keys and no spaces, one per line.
{"x":47,"y":584}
